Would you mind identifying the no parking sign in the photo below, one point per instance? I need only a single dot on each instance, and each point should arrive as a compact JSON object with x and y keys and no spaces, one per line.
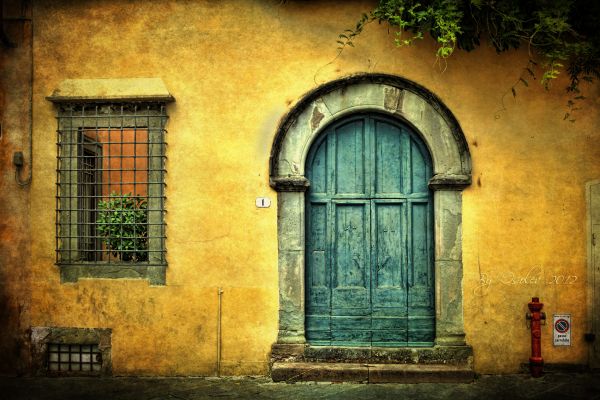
{"x":562,"y":329}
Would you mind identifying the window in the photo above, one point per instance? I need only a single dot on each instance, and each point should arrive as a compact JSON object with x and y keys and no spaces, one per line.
{"x":110,"y":192}
{"x":68,"y":351}
{"x":74,"y":357}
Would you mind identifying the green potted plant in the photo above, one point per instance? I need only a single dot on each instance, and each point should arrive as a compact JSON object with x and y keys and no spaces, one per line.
{"x":122,"y":222}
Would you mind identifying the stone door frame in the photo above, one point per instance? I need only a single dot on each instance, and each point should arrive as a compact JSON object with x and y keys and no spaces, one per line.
{"x":427,"y":116}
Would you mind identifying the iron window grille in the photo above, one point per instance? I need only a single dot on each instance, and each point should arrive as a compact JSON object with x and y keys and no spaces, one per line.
{"x":74,"y":358}
{"x":110,"y":184}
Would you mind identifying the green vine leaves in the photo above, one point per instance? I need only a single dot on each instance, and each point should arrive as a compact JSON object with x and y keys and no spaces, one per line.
{"x":559,"y":34}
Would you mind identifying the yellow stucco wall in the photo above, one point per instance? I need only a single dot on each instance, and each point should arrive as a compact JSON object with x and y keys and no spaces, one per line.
{"x":236,"y":68}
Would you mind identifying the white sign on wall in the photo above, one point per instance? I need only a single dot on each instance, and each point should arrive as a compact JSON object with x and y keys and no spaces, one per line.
{"x":562,"y":329}
{"x":263,"y":202}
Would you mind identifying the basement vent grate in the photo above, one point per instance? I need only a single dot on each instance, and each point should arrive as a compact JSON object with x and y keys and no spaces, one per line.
{"x":74,"y":357}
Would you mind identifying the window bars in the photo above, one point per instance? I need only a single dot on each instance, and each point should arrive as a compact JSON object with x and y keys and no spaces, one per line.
{"x":110,"y":184}
{"x":74,"y":357}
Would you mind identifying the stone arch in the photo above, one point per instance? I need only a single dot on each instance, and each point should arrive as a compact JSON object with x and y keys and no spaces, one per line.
{"x":440,"y":131}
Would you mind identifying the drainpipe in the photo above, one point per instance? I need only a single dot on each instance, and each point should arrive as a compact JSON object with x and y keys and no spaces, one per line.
{"x":18,"y":159}
{"x":220,"y":294}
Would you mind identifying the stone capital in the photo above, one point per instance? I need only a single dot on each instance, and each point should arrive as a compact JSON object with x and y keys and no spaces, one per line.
{"x":449,"y":182}
{"x":291,"y":183}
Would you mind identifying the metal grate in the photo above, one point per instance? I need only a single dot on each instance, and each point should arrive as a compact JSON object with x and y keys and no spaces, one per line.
{"x":74,"y":357}
{"x":110,"y":184}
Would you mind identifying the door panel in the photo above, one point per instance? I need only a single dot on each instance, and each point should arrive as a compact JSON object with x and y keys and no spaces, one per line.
{"x":349,"y":160}
{"x":350,"y":245}
{"x":388,"y":159}
{"x":318,"y":280}
{"x":350,"y":293}
{"x":420,"y":274}
{"x":421,"y":308}
{"x":421,"y":330}
{"x":389,"y":246}
{"x":318,"y":176}
{"x":318,"y":328}
{"x":389,"y":271}
{"x":420,"y":169}
{"x":369,"y":269}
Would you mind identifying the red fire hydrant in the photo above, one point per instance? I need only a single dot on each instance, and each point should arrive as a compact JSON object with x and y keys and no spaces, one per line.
{"x":536,"y":316}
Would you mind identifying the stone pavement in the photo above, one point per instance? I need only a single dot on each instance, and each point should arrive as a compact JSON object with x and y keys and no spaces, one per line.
{"x":488,"y":387}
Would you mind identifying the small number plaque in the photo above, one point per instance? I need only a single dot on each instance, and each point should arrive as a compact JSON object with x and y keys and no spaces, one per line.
{"x":263,"y":202}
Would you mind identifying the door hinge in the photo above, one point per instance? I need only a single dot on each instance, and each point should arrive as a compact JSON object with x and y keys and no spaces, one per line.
{"x":593,"y":239}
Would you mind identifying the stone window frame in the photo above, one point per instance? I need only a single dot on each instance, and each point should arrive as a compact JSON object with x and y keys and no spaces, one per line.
{"x":130,"y":92}
{"x":422,"y":111}
{"x":42,"y":336}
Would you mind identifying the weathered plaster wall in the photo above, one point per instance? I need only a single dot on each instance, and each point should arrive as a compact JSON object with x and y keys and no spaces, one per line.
{"x":14,"y":204}
{"x":236,"y":68}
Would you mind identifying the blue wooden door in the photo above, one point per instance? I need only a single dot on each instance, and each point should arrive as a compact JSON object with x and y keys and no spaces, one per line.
{"x":369,"y":240}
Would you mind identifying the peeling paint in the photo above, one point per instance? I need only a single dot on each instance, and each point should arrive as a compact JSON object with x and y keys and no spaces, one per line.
{"x":317,"y":117}
{"x":393,"y":99}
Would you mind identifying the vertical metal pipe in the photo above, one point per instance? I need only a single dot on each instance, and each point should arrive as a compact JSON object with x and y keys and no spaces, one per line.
{"x":220,"y":294}
{"x":31,"y":80}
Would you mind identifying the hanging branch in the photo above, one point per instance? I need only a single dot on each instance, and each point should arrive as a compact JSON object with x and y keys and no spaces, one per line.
{"x":560,"y":35}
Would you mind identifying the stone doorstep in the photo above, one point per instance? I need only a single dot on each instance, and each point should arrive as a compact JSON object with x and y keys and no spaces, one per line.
{"x":370,"y":373}
{"x":436,"y":355}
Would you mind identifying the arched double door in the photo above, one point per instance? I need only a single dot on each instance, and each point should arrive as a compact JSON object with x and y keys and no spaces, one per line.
{"x":369,"y":236}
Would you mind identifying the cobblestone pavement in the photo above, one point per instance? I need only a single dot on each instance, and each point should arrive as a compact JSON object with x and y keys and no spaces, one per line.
{"x":511,"y":387}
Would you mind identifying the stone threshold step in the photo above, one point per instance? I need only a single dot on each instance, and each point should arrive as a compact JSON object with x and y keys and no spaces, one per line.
{"x":370,"y":373}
